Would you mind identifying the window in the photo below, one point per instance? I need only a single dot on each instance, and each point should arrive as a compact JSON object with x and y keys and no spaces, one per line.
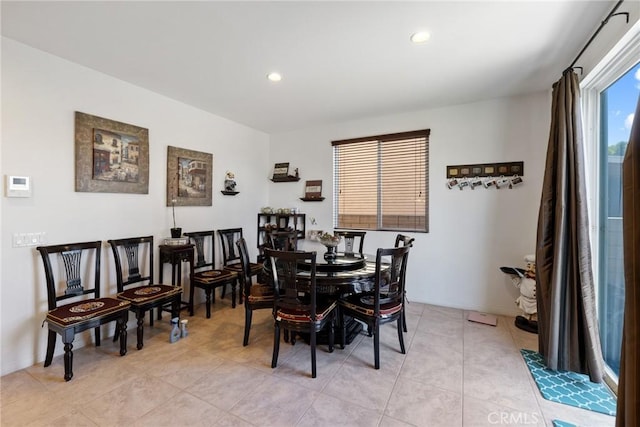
{"x":609,"y":95}
{"x":381,"y":182}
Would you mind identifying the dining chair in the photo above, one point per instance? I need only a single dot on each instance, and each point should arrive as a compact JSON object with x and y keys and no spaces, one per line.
{"x":231,"y":257}
{"x":352,"y":239}
{"x":206,"y":276}
{"x":137,"y":287}
{"x":256,"y":295}
{"x":283,"y":240}
{"x":385,"y":303}
{"x":403,"y":240}
{"x":73,"y":266}
{"x":297,"y":307}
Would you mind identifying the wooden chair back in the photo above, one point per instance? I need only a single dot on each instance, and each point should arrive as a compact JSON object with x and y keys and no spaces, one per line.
{"x":352,"y":240}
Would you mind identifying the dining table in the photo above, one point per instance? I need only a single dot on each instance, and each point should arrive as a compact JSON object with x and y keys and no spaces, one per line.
{"x":346,"y":273}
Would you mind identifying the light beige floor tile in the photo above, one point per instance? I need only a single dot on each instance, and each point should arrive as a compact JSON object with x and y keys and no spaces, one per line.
{"x":392,"y":422}
{"x":330,"y":411}
{"x":227,"y":384}
{"x":435,"y":360}
{"x":274,"y":402}
{"x":36,"y":408}
{"x":210,"y":378}
{"x":391,"y":359}
{"x":18,"y":384}
{"x":424,"y":405}
{"x":362,"y":385}
{"x":480,"y":413}
{"x":130,"y":401}
{"x":182,"y":410}
{"x":186,"y":368}
{"x":297,"y":367}
{"x":74,"y":418}
{"x":506,"y":386}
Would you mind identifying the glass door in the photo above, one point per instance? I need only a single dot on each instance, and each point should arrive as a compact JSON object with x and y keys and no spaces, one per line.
{"x":617,"y":107}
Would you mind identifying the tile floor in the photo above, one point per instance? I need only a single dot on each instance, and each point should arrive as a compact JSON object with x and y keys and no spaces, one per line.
{"x":455,"y":373}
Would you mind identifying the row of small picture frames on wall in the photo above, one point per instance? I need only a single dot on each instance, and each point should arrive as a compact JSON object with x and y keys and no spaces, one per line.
{"x":487,"y":175}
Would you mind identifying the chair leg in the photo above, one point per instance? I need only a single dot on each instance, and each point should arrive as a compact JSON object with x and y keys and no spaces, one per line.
{"x":400,"y":334}
{"x":376,"y":345}
{"x":96,"y":332}
{"x":233,"y":293}
{"x":276,"y":344}
{"x":51,"y":345}
{"x":404,"y":317}
{"x":175,"y":307}
{"x":191,"y":289}
{"x":140,"y":330}
{"x":207,"y":293}
{"x":343,"y":328}
{"x":223,"y":291}
{"x":312,"y":340}
{"x":332,"y":336}
{"x":67,"y":339}
{"x":247,"y":324}
{"x":121,"y":331}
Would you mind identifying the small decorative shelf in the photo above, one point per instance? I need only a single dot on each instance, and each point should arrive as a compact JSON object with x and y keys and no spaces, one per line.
{"x":286,"y":179}
{"x":229,"y":193}
{"x":312,"y":199}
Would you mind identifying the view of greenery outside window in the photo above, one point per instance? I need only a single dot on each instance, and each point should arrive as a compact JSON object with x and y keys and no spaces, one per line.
{"x":381,"y":182}
{"x":617,"y":107}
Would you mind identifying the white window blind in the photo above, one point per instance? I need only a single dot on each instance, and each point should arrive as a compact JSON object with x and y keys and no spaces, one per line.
{"x":381,"y":182}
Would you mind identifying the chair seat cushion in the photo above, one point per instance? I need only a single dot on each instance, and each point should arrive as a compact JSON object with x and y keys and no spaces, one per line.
{"x":364,"y":303}
{"x":148,"y":293}
{"x":260,"y":293}
{"x":253,"y":267}
{"x":77,"y":312}
{"x":214,"y":276}
{"x":322,"y":311}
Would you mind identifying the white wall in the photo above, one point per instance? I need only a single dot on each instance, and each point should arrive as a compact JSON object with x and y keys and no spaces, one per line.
{"x":471,"y":233}
{"x":40,"y":94}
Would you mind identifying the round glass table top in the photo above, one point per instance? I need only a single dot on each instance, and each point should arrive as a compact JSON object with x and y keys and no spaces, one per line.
{"x":342,"y":262}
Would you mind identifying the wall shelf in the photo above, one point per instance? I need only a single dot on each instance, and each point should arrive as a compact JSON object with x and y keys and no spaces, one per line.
{"x":286,"y":179}
{"x":312,"y":199}
{"x":283,"y":222}
{"x":229,"y":193}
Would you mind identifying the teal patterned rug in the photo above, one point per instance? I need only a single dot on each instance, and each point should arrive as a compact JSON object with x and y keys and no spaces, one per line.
{"x":568,"y":387}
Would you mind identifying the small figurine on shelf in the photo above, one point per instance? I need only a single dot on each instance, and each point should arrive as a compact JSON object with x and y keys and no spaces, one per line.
{"x":230,"y":181}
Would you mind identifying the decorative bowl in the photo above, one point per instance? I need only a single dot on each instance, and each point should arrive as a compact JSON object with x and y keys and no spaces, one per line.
{"x":329,"y":240}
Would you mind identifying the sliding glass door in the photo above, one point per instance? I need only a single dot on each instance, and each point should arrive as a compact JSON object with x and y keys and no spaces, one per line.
{"x":617,"y":106}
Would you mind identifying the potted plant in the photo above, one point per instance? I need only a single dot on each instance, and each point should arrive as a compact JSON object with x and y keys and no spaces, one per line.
{"x":175,"y":231}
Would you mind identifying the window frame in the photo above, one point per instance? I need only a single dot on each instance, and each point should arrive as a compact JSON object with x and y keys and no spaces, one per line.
{"x":380,"y":141}
{"x":618,"y":61}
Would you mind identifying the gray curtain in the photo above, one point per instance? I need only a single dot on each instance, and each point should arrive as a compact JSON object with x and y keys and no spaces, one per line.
{"x":568,"y":336}
{"x":628,"y":398}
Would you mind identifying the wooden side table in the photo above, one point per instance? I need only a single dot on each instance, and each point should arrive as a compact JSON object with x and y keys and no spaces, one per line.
{"x":176,"y":255}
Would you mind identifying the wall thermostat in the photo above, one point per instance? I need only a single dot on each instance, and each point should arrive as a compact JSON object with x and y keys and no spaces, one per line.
{"x":17,"y":186}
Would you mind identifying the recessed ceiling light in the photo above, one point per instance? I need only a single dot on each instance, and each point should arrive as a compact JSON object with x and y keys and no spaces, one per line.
{"x":274,"y":77}
{"x":420,"y":37}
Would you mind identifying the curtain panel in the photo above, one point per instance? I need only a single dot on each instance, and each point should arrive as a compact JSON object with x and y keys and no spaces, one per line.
{"x":629,"y":380}
{"x":568,"y":336}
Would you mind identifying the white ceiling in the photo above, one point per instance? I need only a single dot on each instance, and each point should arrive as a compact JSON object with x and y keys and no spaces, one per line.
{"x":339,"y":60}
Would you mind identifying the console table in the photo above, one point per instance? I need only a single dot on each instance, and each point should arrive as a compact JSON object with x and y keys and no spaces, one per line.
{"x":176,"y":255}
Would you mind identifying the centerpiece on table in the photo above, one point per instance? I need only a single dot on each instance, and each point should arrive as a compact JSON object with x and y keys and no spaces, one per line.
{"x":330,"y":242}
